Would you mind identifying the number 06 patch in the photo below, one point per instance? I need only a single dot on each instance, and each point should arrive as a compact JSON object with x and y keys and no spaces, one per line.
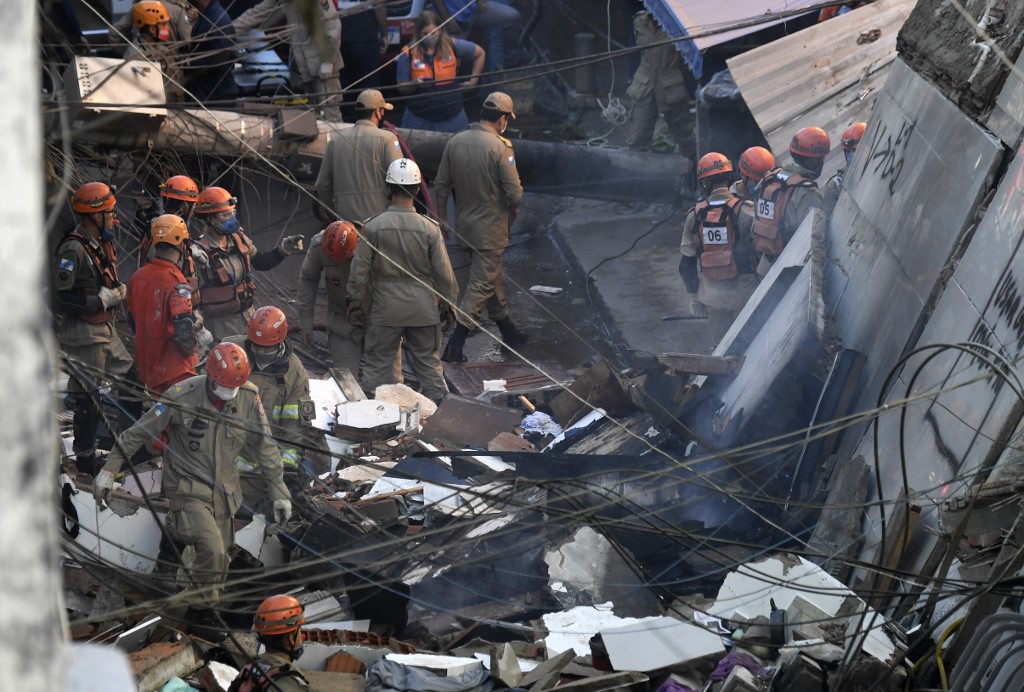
{"x":715,"y":235}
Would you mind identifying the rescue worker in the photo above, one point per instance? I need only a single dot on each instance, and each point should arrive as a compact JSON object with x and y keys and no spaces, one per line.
{"x":658,"y":86}
{"x":412,"y":287}
{"x":787,"y":194}
{"x":830,"y":194}
{"x":428,"y":71}
{"x":755,"y":162}
{"x":160,"y":305}
{"x":351,"y":178}
{"x":205,"y":421}
{"x":226,"y":283}
{"x":278,"y":624}
{"x":284,"y":390}
{"x":182,"y":16}
{"x":317,"y":73}
{"x":478,"y":168}
{"x":211,"y":54}
{"x":86,"y":294}
{"x":330,"y":254}
{"x":157,"y":40}
{"x":716,"y":238}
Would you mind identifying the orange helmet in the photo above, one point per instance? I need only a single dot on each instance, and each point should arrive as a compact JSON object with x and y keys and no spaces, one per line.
{"x":755,"y":162}
{"x":279,"y":614}
{"x":227,"y":365}
{"x":93,"y":198}
{"x":215,"y":199}
{"x":149,"y":13}
{"x":852,"y":135}
{"x":713,"y":164}
{"x":268,"y":327}
{"x":168,"y":228}
{"x":340,"y":240}
{"x":811,"y":142}
{"x":179,"y":186}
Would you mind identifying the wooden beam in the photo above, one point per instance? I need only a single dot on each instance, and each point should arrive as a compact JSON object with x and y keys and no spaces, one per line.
{"x":698,"y":364}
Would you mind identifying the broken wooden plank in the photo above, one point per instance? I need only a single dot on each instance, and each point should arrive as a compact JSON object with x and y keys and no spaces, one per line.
{"x":697,"y":364}
{"x":346,"y":381}
{"x":393,"y":493}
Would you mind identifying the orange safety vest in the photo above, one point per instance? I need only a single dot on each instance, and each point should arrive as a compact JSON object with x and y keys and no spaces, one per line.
{"x":227,"y":296}
{"x":773,"y":194}
{"x":443,"y":70}
{"x":106,"y":265}
{"x":723,"y":255}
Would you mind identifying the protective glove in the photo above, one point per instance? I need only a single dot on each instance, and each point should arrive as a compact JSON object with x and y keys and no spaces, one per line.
{"x":697,"y":308}
{"x":326,"y":69}
{"x":291,"y":245}
{"x":199,"y":256}
{"x":384,"y":43}
{"x":102,"y":485}
{"x":109,"y":297}
{"x":282,"y":511}
{"x":204,"y":338}
{"x":357,"y":317}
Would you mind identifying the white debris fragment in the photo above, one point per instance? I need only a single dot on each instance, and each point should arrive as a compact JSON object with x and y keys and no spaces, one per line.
{"x":550,"y":290}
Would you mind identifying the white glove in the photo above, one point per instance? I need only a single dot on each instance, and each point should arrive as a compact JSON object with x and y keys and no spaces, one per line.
{"x":204,"y":338}
{"x":326,"y":69}
{"x":200,"y":257}
{"x":109,"y":297}
{"x":291,"y":245}
{"x":282,"y":511}
{"x":103,"y":484}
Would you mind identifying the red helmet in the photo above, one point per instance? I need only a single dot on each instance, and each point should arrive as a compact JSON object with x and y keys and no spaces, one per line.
{"x":268,"y":327}
{"x":852,"y":135}
{"x":279,"y":614}
{"x":713,"y":164}
{"x":811,"y":142}
{"x":180,"y":187}
{"x":755,"y":162}
{"x":227,"y":365}
{"x":93,"y":198}
{"x":215,"y":199}
{"x":340,"y":241}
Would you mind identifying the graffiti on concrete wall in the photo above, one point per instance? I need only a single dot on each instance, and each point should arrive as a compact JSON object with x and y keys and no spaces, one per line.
{"x":888,"y":147}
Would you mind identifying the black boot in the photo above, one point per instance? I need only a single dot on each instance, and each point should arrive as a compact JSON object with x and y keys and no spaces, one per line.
{"x":453,"y":351}
{"x":510,"y":335}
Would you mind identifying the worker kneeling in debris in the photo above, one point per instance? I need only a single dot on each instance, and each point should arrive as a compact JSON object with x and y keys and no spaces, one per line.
{"x":717,"y":233}
{"x":207,"y":421}
{"x":412,"y":288}
{"x":278,"y":623}
{"x":284,"y":391}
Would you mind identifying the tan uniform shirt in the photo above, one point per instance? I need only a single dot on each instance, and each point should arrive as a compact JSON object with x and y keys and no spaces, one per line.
{"x":295,"y":681}
{"x":480,"y":167}
{"x":661,"y":68}
{"x":303,"y":49}
{"x":402,"y":256}
{"x":351,"y":178}
{"x":803,"y":199}
{"x":203,"y":443}
{"x":725,"y":294}
{"x":335,"y":276}
{"x":75,"y":271}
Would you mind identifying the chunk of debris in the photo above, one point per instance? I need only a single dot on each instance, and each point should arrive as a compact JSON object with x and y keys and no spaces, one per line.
{"x":158,"y":663}
{"x":659,"y":643}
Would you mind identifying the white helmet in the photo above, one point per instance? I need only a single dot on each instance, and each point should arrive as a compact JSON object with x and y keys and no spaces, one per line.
{"x":404,"y":172}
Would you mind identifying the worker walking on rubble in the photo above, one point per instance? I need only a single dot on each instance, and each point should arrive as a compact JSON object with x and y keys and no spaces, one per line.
{"x":86,"y":293}
{"x":226,"y":282}
{"x":278,"y":624}
{"x":478,"y":168}
{"x":284,"y":390}
{"x":755,"y":162}
{"x":412,"y":288}
{"x":351,"y":178}
{"x":204,"y":423}
{"x":849,"y":142}
{"x":160,"y":305}
{"x":787,"y":194}
{"x":330,"y":255}
{"x":318,"y":73}
{"x":718,"y":264}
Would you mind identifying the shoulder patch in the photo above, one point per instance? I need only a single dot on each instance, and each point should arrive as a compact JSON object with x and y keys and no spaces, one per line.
{"x":66,"y":264}
{"x":511,"y":160}
{"x":159,"y":408}
{"x":184,"y":291}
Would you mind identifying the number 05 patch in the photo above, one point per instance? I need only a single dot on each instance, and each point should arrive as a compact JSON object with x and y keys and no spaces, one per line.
{"x":715,"y":235}
{"x":766,"y":209}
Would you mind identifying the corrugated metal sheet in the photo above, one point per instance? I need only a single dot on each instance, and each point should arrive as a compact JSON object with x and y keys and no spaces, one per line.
{"x":827,"y":75}
{"x":681,"y":18}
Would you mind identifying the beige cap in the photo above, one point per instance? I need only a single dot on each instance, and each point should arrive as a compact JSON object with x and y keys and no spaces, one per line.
{"x":500,"y":102}
{"x":369,"y":99}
